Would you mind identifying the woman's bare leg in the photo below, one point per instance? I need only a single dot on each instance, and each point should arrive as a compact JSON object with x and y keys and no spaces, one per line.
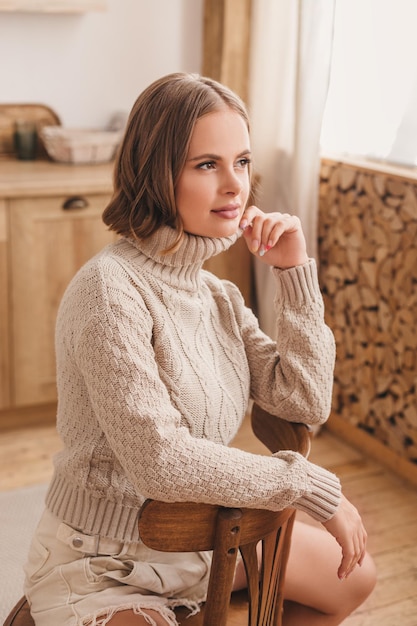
{"x":314,"y":594}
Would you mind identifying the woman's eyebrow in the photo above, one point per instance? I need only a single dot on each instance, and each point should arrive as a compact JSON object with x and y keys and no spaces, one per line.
{"x":217,"y":157}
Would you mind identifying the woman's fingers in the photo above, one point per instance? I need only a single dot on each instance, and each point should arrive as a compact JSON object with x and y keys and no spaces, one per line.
{"x":347,"y":528}
{"x":276,"y":238}
{"x":266,"y":228}
{"x":352,"y":558}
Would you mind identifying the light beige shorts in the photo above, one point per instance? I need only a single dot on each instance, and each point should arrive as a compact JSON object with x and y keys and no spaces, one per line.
{"x":74,"y":579}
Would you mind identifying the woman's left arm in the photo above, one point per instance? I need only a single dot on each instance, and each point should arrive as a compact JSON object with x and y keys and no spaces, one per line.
{"x":293,"y":376}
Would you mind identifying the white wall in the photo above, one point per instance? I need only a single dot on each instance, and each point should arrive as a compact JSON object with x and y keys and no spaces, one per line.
{"x":88,"y":66}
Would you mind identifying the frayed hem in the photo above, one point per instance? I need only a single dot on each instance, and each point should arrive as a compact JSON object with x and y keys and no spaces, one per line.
{"x":103,"y":616}
{"x":191,"y":605}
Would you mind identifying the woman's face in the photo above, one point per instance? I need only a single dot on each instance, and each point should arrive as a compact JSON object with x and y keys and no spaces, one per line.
{"x":213,"y":188}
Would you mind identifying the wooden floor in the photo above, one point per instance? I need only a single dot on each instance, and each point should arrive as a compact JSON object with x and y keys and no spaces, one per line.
{"x":388,"y":507}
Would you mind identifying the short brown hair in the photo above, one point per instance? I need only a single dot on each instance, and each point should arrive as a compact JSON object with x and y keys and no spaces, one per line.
{"x":154,"y":149}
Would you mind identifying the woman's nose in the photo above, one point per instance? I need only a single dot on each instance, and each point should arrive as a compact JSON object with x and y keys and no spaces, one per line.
{"x":232,"y":183}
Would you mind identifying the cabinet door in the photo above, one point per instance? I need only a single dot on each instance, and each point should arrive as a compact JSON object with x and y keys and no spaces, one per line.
{"x":4,"y":312}
{"x":49,"y":243}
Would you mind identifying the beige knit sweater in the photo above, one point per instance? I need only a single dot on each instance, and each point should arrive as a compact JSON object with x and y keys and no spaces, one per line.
{"x":156,"y":362}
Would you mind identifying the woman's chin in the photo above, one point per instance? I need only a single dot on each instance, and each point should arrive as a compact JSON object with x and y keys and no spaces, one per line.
{"x":217,"y":232}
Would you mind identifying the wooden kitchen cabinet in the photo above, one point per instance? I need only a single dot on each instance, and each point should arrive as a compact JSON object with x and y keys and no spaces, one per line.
{"x":48,"y":244}
{"x":50,"y":225}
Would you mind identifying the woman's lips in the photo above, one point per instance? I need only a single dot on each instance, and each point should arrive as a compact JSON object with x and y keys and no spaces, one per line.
{"x":227,"y":212}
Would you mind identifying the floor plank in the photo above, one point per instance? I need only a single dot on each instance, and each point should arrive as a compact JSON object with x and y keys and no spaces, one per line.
{"x":26,"y":456}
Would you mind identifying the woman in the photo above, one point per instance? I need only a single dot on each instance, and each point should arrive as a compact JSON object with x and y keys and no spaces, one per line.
{"x":156,"y":362}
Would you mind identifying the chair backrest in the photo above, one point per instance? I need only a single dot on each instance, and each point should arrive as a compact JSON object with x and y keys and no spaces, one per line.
{"x":189,"y":527}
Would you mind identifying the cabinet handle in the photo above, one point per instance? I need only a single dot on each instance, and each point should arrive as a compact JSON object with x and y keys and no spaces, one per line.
{"x":75,"y":202}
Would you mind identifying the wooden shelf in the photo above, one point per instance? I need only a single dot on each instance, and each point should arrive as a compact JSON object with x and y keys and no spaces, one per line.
{"x":52,"y":6}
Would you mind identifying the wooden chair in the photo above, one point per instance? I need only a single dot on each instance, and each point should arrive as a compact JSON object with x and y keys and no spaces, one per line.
{"x":189,"y":527}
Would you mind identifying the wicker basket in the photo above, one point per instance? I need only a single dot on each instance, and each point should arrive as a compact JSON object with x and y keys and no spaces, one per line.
{"x":73,"y":145}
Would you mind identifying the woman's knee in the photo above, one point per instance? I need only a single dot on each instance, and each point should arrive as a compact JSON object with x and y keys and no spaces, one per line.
{"x":365,"y":577}
{"x":312,"y":574}
{"x":355,"y":589}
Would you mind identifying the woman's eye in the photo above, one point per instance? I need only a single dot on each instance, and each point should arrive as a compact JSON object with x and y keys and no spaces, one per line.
{"x":243,"y":162}
{"x":207,"y":165}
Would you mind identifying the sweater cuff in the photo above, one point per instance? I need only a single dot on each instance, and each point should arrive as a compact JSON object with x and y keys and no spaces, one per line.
{"x":298,"y":284}
{"x":323,"y":496}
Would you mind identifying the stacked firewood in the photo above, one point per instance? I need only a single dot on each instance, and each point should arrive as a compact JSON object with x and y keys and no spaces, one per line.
{"x":368,"y":274}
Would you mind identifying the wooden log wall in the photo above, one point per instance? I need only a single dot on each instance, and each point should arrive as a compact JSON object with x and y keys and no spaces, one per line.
{"x":368,"y":274}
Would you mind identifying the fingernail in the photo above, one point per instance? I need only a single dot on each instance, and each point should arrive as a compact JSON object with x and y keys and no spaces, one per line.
{"x":255,"y":245}
{"x":244,"y":224}
{"x":262,"y":250}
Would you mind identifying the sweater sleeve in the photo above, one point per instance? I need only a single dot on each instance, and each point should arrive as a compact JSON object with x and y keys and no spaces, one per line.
{"x":158,"y":454}
{"x":291,"y":376}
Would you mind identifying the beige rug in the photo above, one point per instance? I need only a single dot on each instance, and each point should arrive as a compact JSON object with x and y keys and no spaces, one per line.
{"x":19,"y":513}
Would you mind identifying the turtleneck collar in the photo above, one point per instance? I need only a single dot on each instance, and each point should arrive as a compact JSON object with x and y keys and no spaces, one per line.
{"x":182,"y":267}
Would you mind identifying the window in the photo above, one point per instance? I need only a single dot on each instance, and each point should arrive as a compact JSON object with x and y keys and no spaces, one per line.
{"x":371,"y":107}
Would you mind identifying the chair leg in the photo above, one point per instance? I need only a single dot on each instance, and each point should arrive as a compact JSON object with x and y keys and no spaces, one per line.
{"x":222,"y":567}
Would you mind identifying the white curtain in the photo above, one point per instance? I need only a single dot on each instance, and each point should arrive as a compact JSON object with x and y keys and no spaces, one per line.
{"x":289,"y":74}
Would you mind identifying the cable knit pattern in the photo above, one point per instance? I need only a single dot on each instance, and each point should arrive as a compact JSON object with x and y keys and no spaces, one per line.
{"x":156,"y":362}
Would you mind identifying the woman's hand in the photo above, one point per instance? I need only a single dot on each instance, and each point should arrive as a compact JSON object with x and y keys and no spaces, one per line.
{"x":276,"y":238}
{"x":347,"y":528}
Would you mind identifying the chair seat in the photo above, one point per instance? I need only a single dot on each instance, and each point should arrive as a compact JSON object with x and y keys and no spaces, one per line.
{"x":20,"y":615}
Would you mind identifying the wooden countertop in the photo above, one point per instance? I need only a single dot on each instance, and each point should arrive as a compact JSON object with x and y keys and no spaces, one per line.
{"x":20,"y":179}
